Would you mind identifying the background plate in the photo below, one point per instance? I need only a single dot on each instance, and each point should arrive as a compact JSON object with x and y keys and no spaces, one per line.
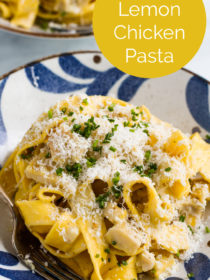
{"x":71,"y":32}
{"x":181,"y":98}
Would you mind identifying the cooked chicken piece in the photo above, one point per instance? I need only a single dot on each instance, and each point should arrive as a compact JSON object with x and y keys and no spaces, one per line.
{"x":124,"y":237}
{"x":145,"y":261}
{"x":114,"y":213}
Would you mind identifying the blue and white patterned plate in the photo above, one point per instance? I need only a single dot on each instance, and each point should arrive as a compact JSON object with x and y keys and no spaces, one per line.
{"x":181,"y":98}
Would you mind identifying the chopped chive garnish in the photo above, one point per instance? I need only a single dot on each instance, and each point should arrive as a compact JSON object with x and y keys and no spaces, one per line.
{"x":59,"y":171}
{"x":107,"y":250}
{"x":48,"y":155}
{"x":101,"y":199}
{"x":111,"y":120}
{"x":190,"y":228}
{"x":123,"y":161}
{"x":132,"y":130}
{"x":126,"y":124}
{"x":114,"y":242}
{"x":85,"y":101}
{"x":63,"y":110}
{"x":113,"y":149}
{"x":81,"y":108}
{"x":65,"y":119}
{"x":97,"y":256}
{"x":89,"y":126}
{"x":73,"y":120}
{"x":50,"y":114}
{"x":109,"y":260}
{"x":139,"y":169}
{"x":168,"y":169}
{"x":151,"y":170}
{"x":95,"y":146}
{"x":124,"y":263}
{"x":207,"y":136}
{"x":109,"y":135}
{"x":70,"y":114}
{"x":178,"y":254}
{"x":76,"y":128}
{"x":147,"y":155}
{"x":116,"y":178}
{"x":190,"y":275}
{"x":91,"y":162}
{"x":207,"y":230}
{"x":27,"y":154}
{"x":74,"y":170}
{"x":117,"y":190}
{"x":146,"y":131}
{"x":182,"y":218}
{"x":111,"y":107}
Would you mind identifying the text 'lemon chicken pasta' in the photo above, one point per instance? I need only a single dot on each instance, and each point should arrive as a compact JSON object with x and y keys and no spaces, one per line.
{"x":108,"y":188}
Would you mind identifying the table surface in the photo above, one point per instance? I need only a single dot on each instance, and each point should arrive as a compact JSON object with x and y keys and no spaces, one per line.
{"x":17,"y":50}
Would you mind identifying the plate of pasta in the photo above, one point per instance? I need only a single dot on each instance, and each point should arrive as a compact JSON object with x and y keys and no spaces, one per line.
{"x":111,"y":173}
{"x":44,"y":18}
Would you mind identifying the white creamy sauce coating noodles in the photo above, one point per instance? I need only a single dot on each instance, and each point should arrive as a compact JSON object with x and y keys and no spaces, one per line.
{"x":111,"y":190}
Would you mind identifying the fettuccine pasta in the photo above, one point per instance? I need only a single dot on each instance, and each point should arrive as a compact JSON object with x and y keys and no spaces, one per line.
{"x":24,"y":13}
{"x":109,"y":189}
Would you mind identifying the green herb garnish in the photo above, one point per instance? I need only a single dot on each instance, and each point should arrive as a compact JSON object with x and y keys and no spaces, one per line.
{"x":116,"y":178}
{"x":70,"y":114}
{"x":190,"y":275}
{"x":111,"y":107}
{"x":85,"y":101}
{"x":207,"y":230}
{"x":101,"y":199}
{"x":182,"y":218}
{"x":126,"y":124}
{"x":124,"y":263}
{"x":139,"y":169}
{"x":63,"y":110}
{"x":117,"y":190}
{"x":89,"y":126}
{"x":168,"y":169}
{"x":146,"y":131}
{"x":91,"y":162}
{"x":59,"y":171}
{"x":27,"y":154}
{"x":95,"y":146}
{"x":113,"y":149}
{"x":48,"y":155}
{"x":50,"y":114}
{"x":190,"y":228}
{"x":107,"y":250}
{"x":207,"y":136}
{"x":74,"y":169}
{"x":147,"y":155}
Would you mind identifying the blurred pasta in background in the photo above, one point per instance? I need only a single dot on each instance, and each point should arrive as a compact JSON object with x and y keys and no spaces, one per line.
{"x":26,"y":13}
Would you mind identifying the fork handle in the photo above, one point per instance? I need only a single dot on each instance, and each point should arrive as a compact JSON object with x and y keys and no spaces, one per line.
{"x":6,"y":197}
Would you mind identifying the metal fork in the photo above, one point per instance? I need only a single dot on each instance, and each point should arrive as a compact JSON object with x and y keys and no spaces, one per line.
{"x":28,"y":248}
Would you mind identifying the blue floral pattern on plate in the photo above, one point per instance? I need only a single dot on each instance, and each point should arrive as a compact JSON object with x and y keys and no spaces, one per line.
{"x":43,"y":83}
